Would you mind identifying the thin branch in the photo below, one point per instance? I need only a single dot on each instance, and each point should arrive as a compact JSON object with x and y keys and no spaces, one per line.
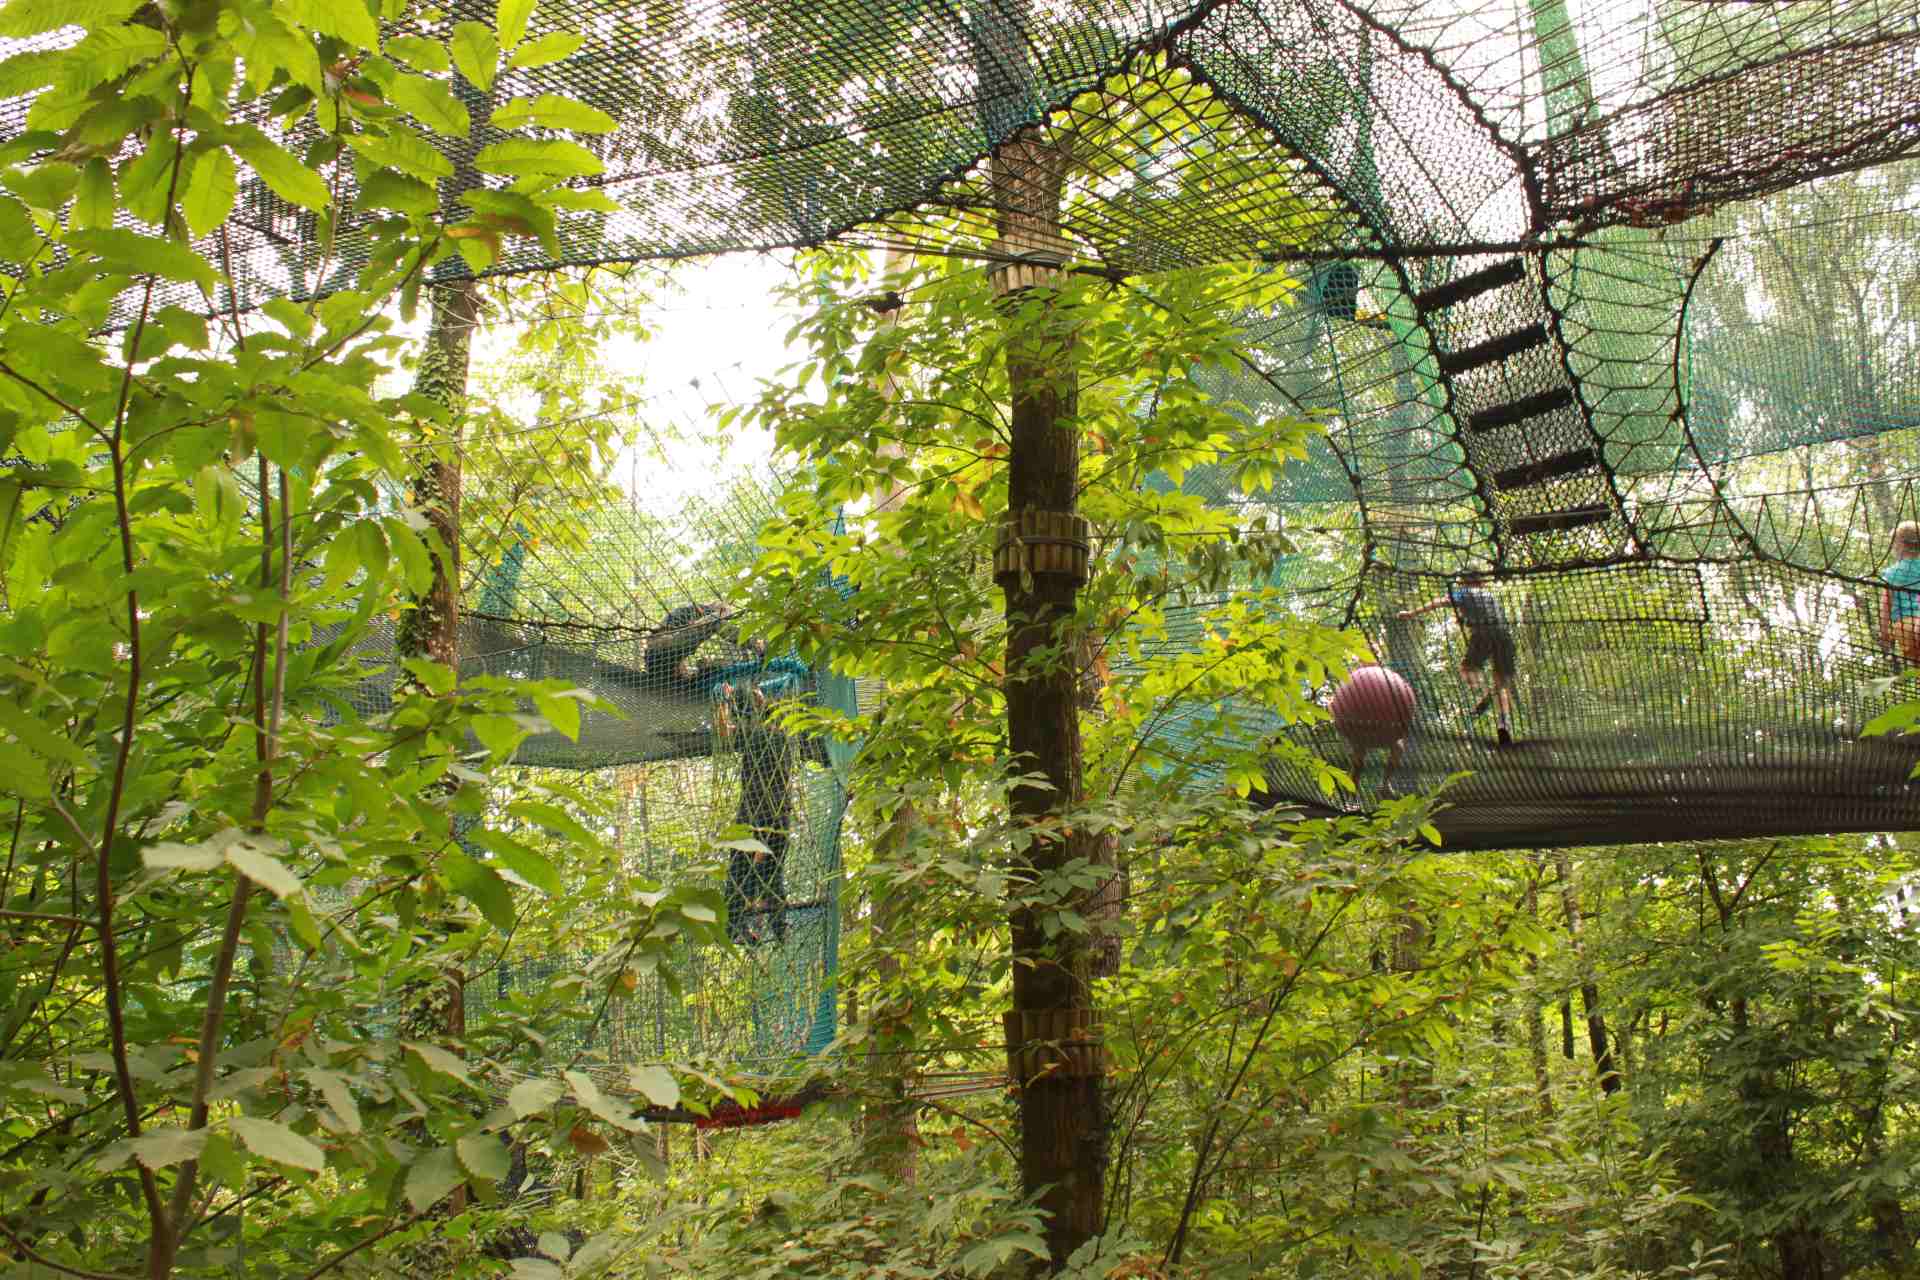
{"x":72,"y":921}
{"x":64,"y":405}
{"x":350,"y":1250}
{"x":51,"y":1265}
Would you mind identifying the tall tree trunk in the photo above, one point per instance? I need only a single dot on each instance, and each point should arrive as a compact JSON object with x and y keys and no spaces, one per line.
{"x":1536,"y":1033}
{"x":889,"y":1128}
{"x":890,"y":1131}
{"x":1107,"y":903}
{"x":1052,"y":1050}
{"x":430,"y":629}
{"x":1589,"y":987}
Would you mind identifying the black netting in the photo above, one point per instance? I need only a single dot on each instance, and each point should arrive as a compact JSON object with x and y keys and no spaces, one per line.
{"x":1616,"y":303}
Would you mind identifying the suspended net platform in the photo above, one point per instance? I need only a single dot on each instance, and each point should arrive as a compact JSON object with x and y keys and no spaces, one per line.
{"x":1611,"y":302}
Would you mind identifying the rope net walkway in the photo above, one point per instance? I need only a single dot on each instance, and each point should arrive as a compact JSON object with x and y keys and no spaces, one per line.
{"x":1610,"y":306}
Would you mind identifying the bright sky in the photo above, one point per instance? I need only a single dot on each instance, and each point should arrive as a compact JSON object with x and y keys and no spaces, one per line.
{"x":718,"y":334}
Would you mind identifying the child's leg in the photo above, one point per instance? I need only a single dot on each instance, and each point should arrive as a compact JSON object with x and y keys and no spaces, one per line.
{"x":1505,"y":662}
{"x":1393,"y":761}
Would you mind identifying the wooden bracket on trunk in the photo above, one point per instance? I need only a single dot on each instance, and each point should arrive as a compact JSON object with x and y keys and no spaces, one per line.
{"x":1027,"y":271}
{"x":1062,"y":1043}
{"x":1041,"y":543}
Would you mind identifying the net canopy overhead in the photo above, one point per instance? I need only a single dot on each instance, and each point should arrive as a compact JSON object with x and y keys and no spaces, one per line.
{"x":1593,"y":296}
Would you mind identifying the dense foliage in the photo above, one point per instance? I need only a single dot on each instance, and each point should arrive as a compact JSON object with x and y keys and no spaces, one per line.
{"x":235,"y":905}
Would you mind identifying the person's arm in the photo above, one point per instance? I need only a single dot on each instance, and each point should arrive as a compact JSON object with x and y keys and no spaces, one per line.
{"x":1886,"y":616}
{"x":670,"y":647}
{"x":1428,"y":607}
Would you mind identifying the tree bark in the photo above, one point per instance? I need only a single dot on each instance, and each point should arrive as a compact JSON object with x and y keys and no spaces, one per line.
{"x":1061,"y":1095}
{"x":889,"y":1126}
{"x":430,"y":628}
{"x":1589,"y":988}
{"x":1536,"y":1033}
{"x":1107,"y":903}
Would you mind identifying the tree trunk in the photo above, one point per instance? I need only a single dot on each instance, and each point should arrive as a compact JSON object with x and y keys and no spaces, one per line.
{"x":1589,"y":988}
{"x":1536,"y":1033}
{"x":889,"y":1127}
{"x":1108,"y":902}
{"x":430,"y":628}
{"x":1053,"y":1057}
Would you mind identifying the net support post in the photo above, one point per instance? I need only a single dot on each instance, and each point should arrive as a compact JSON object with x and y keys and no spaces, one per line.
{"x":1053,"y":1044}
{"x":1042,"y":543}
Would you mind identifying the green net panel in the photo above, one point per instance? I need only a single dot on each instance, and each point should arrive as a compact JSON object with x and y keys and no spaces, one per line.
{"x":624,"y":601}
{"x":1614,"y":300}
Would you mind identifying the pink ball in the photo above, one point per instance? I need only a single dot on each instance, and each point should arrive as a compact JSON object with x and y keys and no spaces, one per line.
{"x":1373,"y":708}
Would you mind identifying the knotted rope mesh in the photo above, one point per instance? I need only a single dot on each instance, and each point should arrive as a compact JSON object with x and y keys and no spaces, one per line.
{"x":1615,"y":302}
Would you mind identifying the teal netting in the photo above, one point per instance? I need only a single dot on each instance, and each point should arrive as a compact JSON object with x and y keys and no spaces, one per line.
{"x":1616,"y":301}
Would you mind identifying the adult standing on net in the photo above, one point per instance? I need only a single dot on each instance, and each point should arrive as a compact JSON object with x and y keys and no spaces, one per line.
{"x":1489,"y":644}
{"x":1900,"y":598}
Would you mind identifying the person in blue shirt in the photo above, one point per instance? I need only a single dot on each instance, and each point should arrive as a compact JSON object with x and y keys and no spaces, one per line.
{"x":743,"y":694}
{"x":1489,"y":644}
{"x":668,"y":660}
{"x":1900,"y":598}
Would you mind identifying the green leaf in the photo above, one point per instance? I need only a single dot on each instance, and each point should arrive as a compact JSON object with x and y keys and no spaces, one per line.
{"x":211,"y":189}
{"x":554,"y":819}
{"x":562,"y":713}
{"x":46,"y":186}
{"x":482,"y":886}
{"x":168,"y":856}
{"x":273,"y":1141}
{"x":552,"y":111}
{"x":93,"y":200}
{"x":36,"y":17}
{"x":432,"y":1177}
{"x":432,"y":103}
{"x":420,"y":54}
{"x":446,"y":1062}
{"x":286,"y":176}
{"x":484,"y":1156}
{"x":141,"y":255}
{"x":346,"y":19}
{"x":386,"y":189}
{"x":588,"y":1095}
{"x":510,"y":20}
{"x":415,"y":562}
{"x":656,"y":1084}
{"x":542,"y":157}
{"x":499,"y":734}
{"x":476,"y":53}
{"x":39,"y":739}
{"x":533,"y":1097}
{"x":159,"y":1148}
{"x":34,"y":69}
{"x":551,"y":47}
{"x":520,"y":860}
{"x":536,"y":1269}
{"x":250,"y":855}
{"x":23,"y":772}
{"x":222,"y":1162}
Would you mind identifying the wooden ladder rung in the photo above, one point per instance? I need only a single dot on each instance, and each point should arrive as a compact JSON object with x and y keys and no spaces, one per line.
{"x":1536,"y":405}
{"x":1560,"y":464}
{"x":1571,"y":518}
{"x":1500,"y":348}
{"x":1471,"y":285}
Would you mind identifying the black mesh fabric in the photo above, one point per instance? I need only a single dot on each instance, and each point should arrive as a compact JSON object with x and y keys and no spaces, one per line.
{"x":1603,"y":298}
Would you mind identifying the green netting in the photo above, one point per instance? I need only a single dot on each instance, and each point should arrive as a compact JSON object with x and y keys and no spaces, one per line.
{"x":1616,"y":301}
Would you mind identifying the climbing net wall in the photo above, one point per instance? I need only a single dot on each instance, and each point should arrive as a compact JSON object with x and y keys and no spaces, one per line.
{"x":1611,"y":302}
{"x":687,"y":744}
